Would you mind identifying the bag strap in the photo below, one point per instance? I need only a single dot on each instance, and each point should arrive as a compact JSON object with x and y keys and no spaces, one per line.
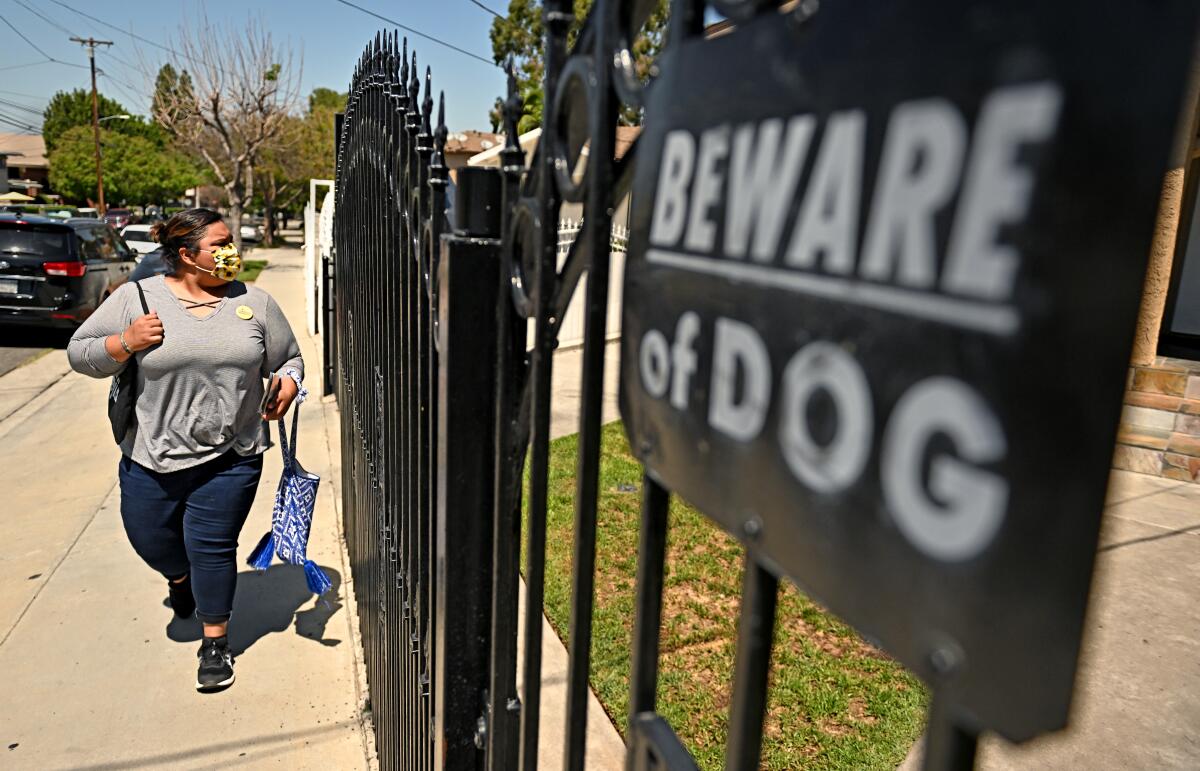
{"x":142,"y":297}
{"x":289,"y":447}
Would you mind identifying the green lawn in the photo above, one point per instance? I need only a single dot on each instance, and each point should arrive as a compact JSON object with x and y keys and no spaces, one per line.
{"x":835,"y":701}
{"x":251,"y":269}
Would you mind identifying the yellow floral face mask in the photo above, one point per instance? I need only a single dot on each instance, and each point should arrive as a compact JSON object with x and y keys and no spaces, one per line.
{"x":227,"y":262}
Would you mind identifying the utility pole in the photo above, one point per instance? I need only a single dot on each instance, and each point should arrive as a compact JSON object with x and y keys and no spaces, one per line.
{"x":91,"y":44}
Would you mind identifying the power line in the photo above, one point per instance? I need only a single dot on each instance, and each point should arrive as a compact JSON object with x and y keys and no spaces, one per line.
{"x":19,"y":66}
{"x":18,"y":119}
{"x":125,"y":64}
{"x":135,"y":98}
{"x":115,"y":79}
{"x":418,"y":33}
{"x":46,"y":19}
{"x":35,"y":46}
{"x":481,"y":5}
{"x":18,"y":93}
{"x":22,"y":107}
{"x":145,"y":40}
{"x":21,"y":124}
{"x":133,"y":35}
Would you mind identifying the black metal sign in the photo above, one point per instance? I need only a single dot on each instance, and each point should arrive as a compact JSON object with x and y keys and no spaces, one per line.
{"x":879,"y":302}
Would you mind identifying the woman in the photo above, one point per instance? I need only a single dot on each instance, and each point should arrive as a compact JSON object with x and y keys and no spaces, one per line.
{"x":192,"y":458}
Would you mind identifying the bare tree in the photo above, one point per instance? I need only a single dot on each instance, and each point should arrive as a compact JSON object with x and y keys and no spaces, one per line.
{"x":242,"y":87}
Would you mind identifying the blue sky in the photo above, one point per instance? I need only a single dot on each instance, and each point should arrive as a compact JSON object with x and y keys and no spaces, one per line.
{"x":329,"y":34}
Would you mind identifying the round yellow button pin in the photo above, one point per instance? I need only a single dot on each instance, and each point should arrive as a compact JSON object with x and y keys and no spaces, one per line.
{"x":244,"y":312}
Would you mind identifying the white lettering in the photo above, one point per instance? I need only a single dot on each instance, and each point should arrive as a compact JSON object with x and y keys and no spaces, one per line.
{"x":919,"y":171}
{"x":670,"y":201}
{"x":655,"y":366}
{"x":683,"y":358}
{"x":706,"y":191}
{"x":964,"y":506}
{"x":825,"y":366}
{"x":997,"y":190}
{"x":762,"y":183}
{"x":738,"y":347}
{"x":829,"y":215}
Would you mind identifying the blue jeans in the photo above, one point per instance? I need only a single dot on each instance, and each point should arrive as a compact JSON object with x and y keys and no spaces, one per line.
{"x":187,"y":522}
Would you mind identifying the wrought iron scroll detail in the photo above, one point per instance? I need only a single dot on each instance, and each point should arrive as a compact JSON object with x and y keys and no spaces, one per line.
{"x":391,"y":199}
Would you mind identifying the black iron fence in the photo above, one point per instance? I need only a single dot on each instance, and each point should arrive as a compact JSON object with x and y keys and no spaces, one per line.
{"x":446,"y":407}
{"x":389,"y":181}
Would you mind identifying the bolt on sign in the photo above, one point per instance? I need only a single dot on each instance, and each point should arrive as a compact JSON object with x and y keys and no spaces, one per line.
{"x":879,"y":304}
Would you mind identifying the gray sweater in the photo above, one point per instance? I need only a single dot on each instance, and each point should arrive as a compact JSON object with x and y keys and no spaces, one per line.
{"x":198,"y":392}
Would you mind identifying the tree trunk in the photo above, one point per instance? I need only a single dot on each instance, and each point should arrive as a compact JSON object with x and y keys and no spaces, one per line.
{"x":237,"y":198}
{"x":269,"y":212}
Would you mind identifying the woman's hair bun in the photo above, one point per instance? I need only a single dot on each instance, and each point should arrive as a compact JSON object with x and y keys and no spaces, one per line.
{"x":182,"y":230}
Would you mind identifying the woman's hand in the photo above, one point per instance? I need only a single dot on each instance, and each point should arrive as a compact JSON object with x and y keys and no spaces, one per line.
{"x":144,"y":332}
{"x":287,"y":394}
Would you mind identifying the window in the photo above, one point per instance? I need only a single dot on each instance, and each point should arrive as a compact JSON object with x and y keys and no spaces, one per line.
{"x":1180,"y":332}
{"x":88,"y":248}
{"x":107,"y":245}
{"x":33,"y":242}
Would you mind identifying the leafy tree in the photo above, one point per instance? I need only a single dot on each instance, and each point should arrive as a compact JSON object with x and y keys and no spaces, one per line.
{"x":326,"y":101}
{"x":518,"y":37}
{"x":304,"y":150}
{"x":234,"y":105}
{"x":68,"y":109}
{"x":172,"y":91}
{"x":136,"y":170}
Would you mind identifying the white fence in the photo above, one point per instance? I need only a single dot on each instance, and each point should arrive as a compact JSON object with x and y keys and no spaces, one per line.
{"x":570,"y":332}
{"x":318,"y":240}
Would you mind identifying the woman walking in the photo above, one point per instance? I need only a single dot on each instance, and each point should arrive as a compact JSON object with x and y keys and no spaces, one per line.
{"x":192,"y":457}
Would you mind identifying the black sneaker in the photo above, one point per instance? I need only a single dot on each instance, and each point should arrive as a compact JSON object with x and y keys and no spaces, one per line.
{"x":216,"y":664}
{"x":182,"y":600}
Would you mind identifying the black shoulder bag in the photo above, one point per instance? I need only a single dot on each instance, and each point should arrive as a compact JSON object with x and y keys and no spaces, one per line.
{"x":124,"y":389}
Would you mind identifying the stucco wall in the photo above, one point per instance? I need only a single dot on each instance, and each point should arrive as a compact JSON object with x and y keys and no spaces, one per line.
{"x":1162,"y":250}
{"x":1158,"y":270}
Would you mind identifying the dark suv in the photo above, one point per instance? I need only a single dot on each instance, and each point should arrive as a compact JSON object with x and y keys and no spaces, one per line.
{"x":55,"y":273}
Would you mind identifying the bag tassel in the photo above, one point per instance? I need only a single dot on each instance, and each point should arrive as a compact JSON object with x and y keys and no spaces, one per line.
{"x":260,"y":558}
{"x":318,"y":582}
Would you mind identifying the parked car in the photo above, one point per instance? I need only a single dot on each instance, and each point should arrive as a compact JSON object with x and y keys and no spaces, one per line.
{"x":151,"y":264}
{"x":87,"y":212}
{"x":252,"y":232}
{"x":138,"y":239}
{"x":118,"y":218}
{"x":55,"y":273}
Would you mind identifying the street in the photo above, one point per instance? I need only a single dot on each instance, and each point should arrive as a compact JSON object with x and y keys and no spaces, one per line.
{"x":20,"y":344}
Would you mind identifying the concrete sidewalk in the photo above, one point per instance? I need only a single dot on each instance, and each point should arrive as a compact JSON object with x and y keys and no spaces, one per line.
{"x":1137,"y":694}
{"x":98,"y":675}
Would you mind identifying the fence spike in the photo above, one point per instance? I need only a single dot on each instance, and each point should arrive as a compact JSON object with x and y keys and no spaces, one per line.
{"x":414,"y":85}
{"x":439,"y":141}
{"x":513,"y":107}
{"x":427,"y":105}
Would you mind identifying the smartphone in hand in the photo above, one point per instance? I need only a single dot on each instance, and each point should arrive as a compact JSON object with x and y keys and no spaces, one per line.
{"x":270,"y":394}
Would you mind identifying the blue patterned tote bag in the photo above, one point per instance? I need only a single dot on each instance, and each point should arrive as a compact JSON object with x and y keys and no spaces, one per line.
{"x":292,"y":519}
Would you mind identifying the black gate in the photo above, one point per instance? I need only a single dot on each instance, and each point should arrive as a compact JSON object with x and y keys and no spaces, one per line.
{"x":930,"y":480}
{"x":389,"y":181}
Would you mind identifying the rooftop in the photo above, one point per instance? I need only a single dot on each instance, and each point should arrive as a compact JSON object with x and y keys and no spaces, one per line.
{"x":27,"y":150}
{"x":471,"y":142}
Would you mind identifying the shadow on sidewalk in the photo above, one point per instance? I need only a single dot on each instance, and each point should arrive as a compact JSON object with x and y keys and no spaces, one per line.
{"x":271,"y":602}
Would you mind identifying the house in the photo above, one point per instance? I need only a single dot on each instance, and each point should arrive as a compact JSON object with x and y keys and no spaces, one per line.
{"x":571,"y":327}
{"x":461,"y":145}
{"x":23,"y":164}
{"x":1160,"y":427}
